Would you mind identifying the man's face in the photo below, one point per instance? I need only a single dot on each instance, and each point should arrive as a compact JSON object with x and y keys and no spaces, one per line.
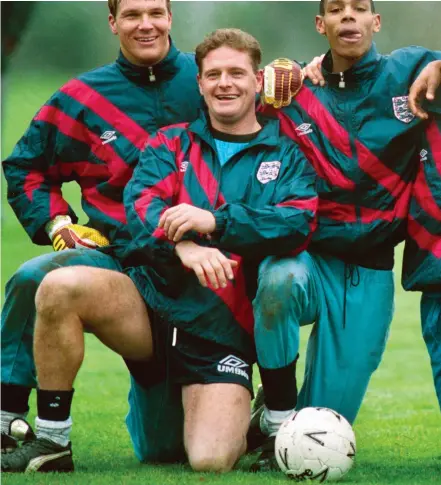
{"x":349,"y":26}
{"x":229,"y":85}
{"x":143,"y":27}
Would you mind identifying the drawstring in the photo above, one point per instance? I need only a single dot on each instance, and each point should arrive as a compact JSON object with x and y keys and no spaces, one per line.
{"x":352,"y":273}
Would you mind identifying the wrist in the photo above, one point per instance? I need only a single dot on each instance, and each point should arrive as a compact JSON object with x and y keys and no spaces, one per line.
{"x":56,"y":224}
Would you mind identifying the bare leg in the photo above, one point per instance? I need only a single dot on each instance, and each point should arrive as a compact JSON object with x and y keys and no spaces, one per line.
{"x":217,"y":417}
{"x":70,"y":300}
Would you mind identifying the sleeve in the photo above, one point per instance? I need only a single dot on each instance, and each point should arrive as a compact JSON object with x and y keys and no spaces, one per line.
{"x":283,"y":227}
{"x":422,"y":254}
{"x":34,"y":178}
{"x":152,"y":189}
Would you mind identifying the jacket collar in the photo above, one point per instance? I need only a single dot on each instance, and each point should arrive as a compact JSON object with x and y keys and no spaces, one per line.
{"x":269,"y":134}
{"x":165,"y":69}
{"x":367,"y":67}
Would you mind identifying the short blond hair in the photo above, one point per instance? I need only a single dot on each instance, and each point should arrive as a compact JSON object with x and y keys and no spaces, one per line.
{"x":235,"y":39}
{"x":113,"y":6}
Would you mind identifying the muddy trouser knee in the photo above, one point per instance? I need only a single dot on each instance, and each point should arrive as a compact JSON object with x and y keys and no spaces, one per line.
{"x":431,"y":327}
{"x":351,"y":308}
{"x":18,"y":313}
{"x":156,"y":422}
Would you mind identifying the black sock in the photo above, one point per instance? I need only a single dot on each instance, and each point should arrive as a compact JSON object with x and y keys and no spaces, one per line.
{"x":54,"y":405}
{"x":280,"y":387}
{"x":15,"y":398}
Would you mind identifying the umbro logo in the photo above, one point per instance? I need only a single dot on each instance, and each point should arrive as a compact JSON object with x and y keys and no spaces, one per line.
{"x":304,"y":129}
{"x":233,"y":365}
{"x":108,"y":136}
{"x":184,"y":165}
{"x":423,"y":155}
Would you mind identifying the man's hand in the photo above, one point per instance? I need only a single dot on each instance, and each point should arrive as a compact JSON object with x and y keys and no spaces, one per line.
{"x":65,"y":235}
{"x":425,"y":85}
{"x":182,"y":218}
{"x":313,"y":71}
{"x":207,"y":263}
{"x":282,"y":80}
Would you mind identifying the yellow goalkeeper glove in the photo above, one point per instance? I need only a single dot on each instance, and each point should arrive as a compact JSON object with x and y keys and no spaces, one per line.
{"x":282,"y":80}
{"x":65,"y":235}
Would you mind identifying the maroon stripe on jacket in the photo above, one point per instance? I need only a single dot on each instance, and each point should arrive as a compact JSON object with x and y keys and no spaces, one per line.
{"x":109,"y":207}
{"x":336,"y":134}
{"x":57,"y":205}
{"x":236,"y":299}
{"x":302,"y":204}
{"x":33,"y":181}
{"x":119,"y":170}
{"x":424,"y":196}
{"x":423,"y":238}
{"x":336,"y":211}
{"x":165,"y":188}
{"x":321,"y":164}
{"x":206,"y":179}
{"x":100,"y":105}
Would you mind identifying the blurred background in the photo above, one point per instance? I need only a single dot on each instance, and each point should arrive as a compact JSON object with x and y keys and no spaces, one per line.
{"x":45,"y":43}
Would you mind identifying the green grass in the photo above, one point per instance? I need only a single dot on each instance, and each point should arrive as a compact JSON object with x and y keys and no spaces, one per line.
{"x":398,"y":429}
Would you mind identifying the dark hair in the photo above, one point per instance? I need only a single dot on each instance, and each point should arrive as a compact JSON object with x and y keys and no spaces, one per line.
{"x":323,"y":6}
{"x":113,"y":6}
{"x":236,"y":39}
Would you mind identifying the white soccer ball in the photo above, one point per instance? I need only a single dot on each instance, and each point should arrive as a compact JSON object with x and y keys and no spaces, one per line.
{"x":315,"y":444}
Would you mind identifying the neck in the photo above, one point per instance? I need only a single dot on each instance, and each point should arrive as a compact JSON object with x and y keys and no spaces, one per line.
{"x":240,"y":127}
{"x":341,"y":64}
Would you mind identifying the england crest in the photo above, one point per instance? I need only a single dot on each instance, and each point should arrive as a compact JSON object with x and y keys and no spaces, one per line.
{"x":268,"y":171}
{"x":401,"y":109}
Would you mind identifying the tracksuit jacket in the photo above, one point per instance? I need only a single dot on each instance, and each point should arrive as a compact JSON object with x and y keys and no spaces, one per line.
{"x":422,"y":253}
{"x":362,"y":140}
{"x":91,"y":131}
{"x":263,"y":200}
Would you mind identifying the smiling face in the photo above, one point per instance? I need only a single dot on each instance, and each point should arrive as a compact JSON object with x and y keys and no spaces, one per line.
{"x":143,"y":27}
{"x":229,"y":85}
{"x":349,"y":26}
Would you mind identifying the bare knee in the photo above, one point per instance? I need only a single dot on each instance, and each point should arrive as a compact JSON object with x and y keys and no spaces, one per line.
{"x":216,"y":459}
{"x":60,"y":290}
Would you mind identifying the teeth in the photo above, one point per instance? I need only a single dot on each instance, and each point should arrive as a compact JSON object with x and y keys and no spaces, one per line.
{"x":228,"y":97}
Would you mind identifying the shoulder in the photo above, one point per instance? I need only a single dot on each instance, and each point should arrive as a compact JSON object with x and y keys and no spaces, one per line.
{"x":169,"y":136}
{"x":412,"y":56}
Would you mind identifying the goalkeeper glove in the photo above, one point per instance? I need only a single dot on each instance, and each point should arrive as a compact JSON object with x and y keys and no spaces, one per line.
{"x":282,"y":80}
{"x":65,"y":235}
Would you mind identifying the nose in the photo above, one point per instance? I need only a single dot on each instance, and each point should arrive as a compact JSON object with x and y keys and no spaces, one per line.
{"x":225,"y":80}
{"x":348,"y":14}
{"x":145,"y":23}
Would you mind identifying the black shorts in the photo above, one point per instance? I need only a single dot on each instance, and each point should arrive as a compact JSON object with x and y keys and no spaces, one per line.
{"x":184,"y":358}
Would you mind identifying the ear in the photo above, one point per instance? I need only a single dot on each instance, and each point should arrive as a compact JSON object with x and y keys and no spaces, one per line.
{"x":377,"y":22}
{"x":112,"y":24}
{"x":320,"y":25}
{"x":199,"y":84}
{"x":259,"y":79}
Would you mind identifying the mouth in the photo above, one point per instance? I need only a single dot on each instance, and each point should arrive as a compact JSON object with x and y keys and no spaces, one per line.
{"x":226,"y":97}
{"x":350,"y":36}
{"x":146,"y":40}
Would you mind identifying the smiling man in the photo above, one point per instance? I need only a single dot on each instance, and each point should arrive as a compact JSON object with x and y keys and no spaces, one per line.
{"x":187,"y":313}
{"x":91,"y":131}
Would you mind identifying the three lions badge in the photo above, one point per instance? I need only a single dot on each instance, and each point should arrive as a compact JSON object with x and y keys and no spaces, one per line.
{"x":268,"y":171}
{"x":401,"y":109}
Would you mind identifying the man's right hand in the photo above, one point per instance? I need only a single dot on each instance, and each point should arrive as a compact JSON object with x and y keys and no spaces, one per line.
{"x":209,"y":264}
{"x":65,"y":235}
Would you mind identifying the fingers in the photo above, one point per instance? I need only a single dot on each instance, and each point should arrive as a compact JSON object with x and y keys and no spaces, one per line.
{"x":313,"y":71}
{"x":432,"y":86}
{"x":199,"y":271}
{"x":217,"y":270}
{"x":415,"y":95}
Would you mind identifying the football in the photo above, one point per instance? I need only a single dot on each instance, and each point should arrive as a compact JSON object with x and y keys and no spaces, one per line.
{"x":315,"y":444}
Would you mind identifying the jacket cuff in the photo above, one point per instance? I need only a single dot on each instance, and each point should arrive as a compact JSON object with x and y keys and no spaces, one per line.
{"x":221,"y":224}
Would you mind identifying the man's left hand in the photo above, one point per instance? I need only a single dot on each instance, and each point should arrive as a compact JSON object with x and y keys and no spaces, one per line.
{"x":182,"y":218}
{"x":425,"y":85}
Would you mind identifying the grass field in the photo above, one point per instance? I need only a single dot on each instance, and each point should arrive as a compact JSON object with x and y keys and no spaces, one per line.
{"x":398,"y":429}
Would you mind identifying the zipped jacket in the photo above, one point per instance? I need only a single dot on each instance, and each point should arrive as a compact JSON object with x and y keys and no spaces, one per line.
{"x":91,"y":131}
{"x":264,"y":203}
{"x":422,"y":252}
{"x":362,"y":139}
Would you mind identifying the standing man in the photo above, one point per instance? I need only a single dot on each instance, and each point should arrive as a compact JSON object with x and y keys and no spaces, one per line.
{"x":90,"y":131}
{"x":361,"y":137}
{"x":201,"y":236}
